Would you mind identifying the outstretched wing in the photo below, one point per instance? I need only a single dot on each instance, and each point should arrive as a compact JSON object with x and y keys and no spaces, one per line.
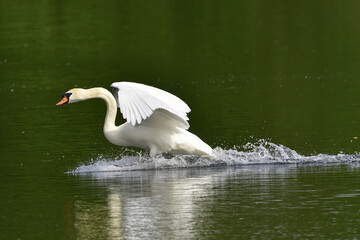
{"x":137,"y":102}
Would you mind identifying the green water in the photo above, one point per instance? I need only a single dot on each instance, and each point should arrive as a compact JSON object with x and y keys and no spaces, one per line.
{"x":280,"y":71}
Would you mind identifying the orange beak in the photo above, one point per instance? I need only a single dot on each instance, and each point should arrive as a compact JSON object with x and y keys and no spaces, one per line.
{"x":63,"y":101}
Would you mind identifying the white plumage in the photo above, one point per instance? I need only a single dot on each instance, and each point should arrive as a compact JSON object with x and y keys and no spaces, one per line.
{"x":137,"y":102}
{"x":156,"y":120}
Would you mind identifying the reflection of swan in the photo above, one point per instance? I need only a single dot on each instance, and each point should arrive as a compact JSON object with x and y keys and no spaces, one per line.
{"x":156,"y":120}
{"x":174,"y":204}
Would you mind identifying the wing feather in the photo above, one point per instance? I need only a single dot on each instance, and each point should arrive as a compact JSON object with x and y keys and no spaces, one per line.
{"x":137,"y":102}
{"x":126,"y":109}
{"x":142,"y":109}
{"x":120,"y":103}
{"x":136,"y":113}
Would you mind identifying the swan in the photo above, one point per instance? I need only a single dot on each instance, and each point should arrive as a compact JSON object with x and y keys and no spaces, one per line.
{"x":155,"y":119}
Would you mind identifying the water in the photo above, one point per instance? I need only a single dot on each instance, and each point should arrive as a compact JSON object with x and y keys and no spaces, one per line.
{"x":261,"y":152}
{"x":236,"y":202}
{"x":273,"y":89}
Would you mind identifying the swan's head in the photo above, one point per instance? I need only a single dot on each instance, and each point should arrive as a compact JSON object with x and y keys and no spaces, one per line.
{"x":73,"y":95}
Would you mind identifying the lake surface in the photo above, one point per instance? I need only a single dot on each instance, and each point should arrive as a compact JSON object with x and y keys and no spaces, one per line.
{"x":273,"y":88}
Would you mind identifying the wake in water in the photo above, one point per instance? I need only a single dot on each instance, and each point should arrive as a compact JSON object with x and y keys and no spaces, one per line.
{"x":261,"y":152}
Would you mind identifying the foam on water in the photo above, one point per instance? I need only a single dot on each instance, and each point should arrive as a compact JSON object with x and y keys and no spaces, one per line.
{"x":261,"y":152}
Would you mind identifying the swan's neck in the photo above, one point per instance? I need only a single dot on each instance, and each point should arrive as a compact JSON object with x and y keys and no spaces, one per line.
{"x":111,"y":105}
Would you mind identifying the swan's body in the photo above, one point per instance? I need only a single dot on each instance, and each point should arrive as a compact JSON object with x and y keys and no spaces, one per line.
{"x":156,"y":120}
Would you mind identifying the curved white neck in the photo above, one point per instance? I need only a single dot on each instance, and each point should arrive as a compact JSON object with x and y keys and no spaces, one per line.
{"x":111,"y":105}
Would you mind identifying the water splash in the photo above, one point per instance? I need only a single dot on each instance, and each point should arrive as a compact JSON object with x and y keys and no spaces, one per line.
{"x":261,"y":152}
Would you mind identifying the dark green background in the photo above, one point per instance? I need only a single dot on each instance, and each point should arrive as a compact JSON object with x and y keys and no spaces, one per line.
{"x":278,"y":70}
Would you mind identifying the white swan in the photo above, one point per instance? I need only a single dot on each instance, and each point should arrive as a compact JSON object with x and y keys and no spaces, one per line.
{"x":156,"y":120}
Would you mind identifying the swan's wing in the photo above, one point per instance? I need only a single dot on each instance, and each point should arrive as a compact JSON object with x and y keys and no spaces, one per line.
{"x":137,"y":102}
